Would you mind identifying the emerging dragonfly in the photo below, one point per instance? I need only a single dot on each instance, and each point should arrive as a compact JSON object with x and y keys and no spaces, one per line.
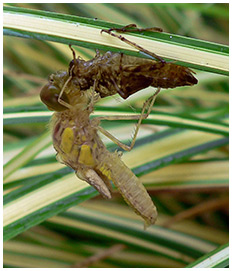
{"x":73,"y":95}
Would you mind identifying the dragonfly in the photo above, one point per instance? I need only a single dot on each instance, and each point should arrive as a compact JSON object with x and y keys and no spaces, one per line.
{"x":73,"y":94}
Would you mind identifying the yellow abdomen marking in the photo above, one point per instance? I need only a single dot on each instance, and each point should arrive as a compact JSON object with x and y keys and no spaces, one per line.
{"x":105,"y":172}
{"x":86,"y":156}
{"x":67,"y":140}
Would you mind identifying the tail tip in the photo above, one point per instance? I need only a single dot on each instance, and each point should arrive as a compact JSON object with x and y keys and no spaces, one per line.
{"x":150,"y":221}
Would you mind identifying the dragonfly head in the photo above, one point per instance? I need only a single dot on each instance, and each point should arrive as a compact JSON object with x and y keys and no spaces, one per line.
{"x":50,"y":92}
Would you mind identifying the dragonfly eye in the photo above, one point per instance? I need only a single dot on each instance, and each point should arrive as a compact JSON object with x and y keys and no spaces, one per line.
{"x":49,"y":95}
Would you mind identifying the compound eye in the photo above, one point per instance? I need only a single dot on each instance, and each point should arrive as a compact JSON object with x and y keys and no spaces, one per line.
{"x":49,"y":95}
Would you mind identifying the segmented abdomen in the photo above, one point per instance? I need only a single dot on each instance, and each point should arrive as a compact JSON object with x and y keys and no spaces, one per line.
{"x":85,"y":153}
{"x":132,"y":189}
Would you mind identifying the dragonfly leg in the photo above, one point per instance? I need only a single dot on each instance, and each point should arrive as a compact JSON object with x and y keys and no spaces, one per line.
{"x":149,"y":103}
{"x":133,"y":44}
{"x":73,"y":51}
{"x":62,"y":102}
{"x":94,"y":97}
{"x":97,"y":54}
{"x":134,"y":28}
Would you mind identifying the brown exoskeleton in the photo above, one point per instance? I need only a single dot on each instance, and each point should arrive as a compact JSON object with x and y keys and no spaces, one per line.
{"x":123,"y":74}
{"x":73,"y":94}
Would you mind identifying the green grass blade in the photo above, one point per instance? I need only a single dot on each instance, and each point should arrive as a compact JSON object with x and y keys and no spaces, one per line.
{"x":218,"y":258}
{"x":67,"y":191}
{"x":86,"y":32}
{"x":177,"y":246}
{"x":27,"y":154}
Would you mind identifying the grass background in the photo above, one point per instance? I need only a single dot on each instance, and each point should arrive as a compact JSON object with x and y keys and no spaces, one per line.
{"x":181,"y":155}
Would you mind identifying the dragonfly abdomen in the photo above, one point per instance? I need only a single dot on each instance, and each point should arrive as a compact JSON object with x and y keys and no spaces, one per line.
{"x":131,"y":189}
